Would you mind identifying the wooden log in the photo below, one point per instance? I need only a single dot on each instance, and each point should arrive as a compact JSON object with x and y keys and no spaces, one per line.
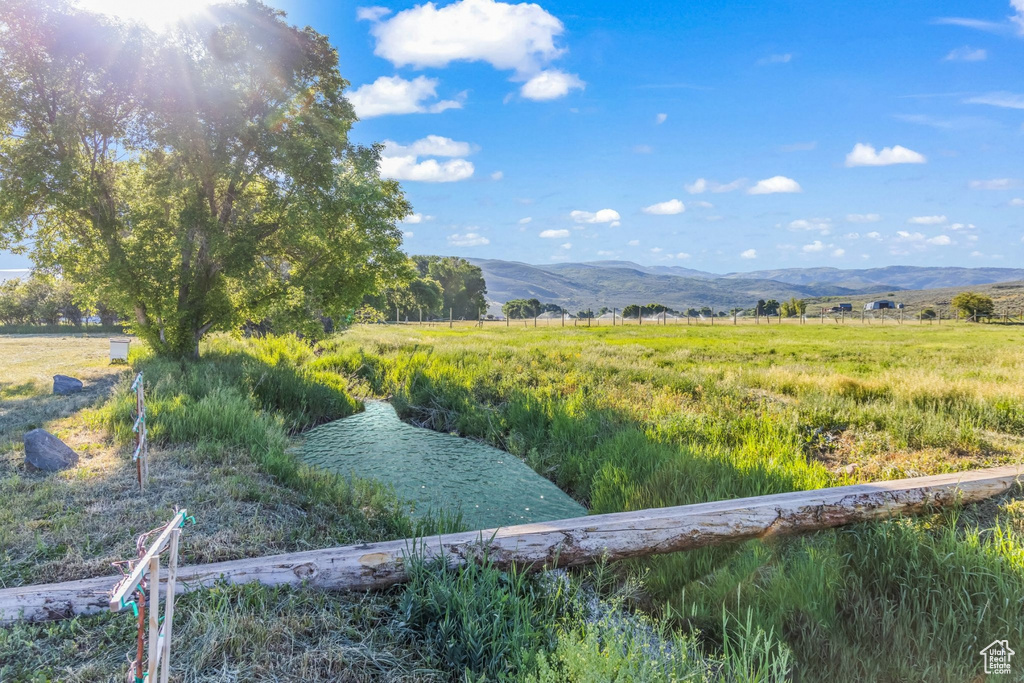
{"x":566,"y":542}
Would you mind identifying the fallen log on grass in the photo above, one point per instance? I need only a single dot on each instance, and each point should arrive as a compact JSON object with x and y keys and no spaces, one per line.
{"x":562,"y":543}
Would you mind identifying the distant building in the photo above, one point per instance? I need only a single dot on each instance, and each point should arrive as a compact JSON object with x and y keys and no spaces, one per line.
{"x":880,"y":305}
{"x":839,"y":308}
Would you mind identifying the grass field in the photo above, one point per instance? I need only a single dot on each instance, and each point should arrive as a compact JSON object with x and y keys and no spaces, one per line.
{"x":622,"y":419}
{"x":631,"y":417}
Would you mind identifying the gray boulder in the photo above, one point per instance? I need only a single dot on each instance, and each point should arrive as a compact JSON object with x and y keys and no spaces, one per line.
{"x":44,"y":451}
{"x":64,"y":385}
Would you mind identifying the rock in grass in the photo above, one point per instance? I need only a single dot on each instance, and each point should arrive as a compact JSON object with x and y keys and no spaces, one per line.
{"x":64,"y":385}
{"x":44,"y":451}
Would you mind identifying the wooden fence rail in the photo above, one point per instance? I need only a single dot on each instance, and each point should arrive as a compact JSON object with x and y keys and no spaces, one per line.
{"x":566,"y":542}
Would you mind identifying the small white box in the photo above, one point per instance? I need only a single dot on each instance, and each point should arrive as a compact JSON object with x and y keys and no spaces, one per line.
{"x":119,"y":349}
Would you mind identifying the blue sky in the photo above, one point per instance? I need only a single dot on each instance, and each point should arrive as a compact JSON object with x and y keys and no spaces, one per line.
{"x":712,"y":135}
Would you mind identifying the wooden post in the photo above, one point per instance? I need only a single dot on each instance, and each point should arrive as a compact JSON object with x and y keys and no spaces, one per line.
{"x":545,"y":545}
{"x":154,"y":616}
{"x":563,"y":317}
{"x":172,"y":577}
{"x":712,"y":317}
{"x":451,"y":316}
{"x":640,"y":315}
{"x":614,"y":311}
{"x":421,"y":315}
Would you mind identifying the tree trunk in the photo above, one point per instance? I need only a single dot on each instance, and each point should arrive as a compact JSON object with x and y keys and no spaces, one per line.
{"x":567,"y":542}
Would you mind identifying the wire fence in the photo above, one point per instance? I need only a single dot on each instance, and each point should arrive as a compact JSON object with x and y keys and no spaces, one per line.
{"x":891,"y":316}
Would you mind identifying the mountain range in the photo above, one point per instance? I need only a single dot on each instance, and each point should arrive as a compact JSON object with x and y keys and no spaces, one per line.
{"x":620,"y":283}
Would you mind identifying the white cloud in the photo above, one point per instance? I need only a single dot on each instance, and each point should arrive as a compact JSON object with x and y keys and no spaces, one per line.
{"x":401,"y":162}
{"x":697,"y":186}
{"x":604,"y":252}
{"x":823,"y":225}
{"x":703,"y":204}
{"x":395,"y":95}
{"x":927,"y":220}
{"x":554,"y":234}
{"x":1017,"y":201}
{"x":963,"y":226}
{"x":660,"y":118}
{"x":656,"y":250}
{"x":550,"y":85}
{"x":865,"y":155}
{"x":497,"y":175}
{"x":524,"y":221}
{"x":430,"y":146}
{"x":838,"y":252}
{"x":375,"y":13}
{"x":508,"y":37}
{"x":470,"y":239}
{"x":852,"y":236}
{"x":996,"y":184}
{"x":775,"y":59}
{"x":814,"y":246}
{"x":774,"y":185}
{"x":863,"y":218}
{"x":602,"y":216}
{"x":428,"y":171}
{"x":874,"y":235}
{"x":669,"y":208}
{"x":749,"y":253}
{"x":633,"y":243}
{"x":566,"y":245}
{"x":910,"y":236}
{"x":414,"y":218}
{"x":701,"y":185}
{"x":967,"y":54}
{"x":408,"y":233}
{"x":1006,"y":100}
{"x":940,"y":240}
{"x":682,"y":255}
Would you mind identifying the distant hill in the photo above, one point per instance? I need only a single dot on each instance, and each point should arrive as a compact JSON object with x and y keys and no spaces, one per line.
{"x":620,"y":283}
{"x":1007,"y":296}
{"x":580,"y":285}
{"x":890,"y":277}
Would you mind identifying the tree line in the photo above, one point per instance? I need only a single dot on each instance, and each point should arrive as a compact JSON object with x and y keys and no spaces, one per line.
{"x":44,"y":300}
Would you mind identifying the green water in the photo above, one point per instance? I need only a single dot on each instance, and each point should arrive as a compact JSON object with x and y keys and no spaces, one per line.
{"x":434,"y":470}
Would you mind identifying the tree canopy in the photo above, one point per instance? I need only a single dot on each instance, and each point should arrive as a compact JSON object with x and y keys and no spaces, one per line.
{"x":973,"y":305}
{"x":194,"y":178}
{"x":464,"y":292}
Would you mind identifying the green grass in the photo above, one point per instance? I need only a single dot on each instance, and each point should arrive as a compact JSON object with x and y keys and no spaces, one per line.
{"x":621,"y":419}
{"x":629,"y":418}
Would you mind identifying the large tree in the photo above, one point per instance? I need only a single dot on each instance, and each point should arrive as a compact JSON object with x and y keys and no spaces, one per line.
{"x":194,"y":178}
{"x":463,"y":288}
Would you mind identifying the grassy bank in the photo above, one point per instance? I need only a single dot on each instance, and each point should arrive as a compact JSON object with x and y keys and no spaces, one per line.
{"x":219,"y":428}
{"x":630,"y":418}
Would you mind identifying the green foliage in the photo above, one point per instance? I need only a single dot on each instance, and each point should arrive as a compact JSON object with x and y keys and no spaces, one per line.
{"x":521,"y":308}
{"x":625,"y":418}
{"x":973,"y":305}
{"x":39,"y":300}
{"x":409,"y":294}
{"x":794,"y":307}
{"x":624,"y":648}
{"x":478,"y":619}
{"x":634,"y":311}
{"x":462,"y":284}
{"x":249,"y":203}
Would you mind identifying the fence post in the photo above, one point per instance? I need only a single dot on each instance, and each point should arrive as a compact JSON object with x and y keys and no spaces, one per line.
{"x":451,"y":315}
